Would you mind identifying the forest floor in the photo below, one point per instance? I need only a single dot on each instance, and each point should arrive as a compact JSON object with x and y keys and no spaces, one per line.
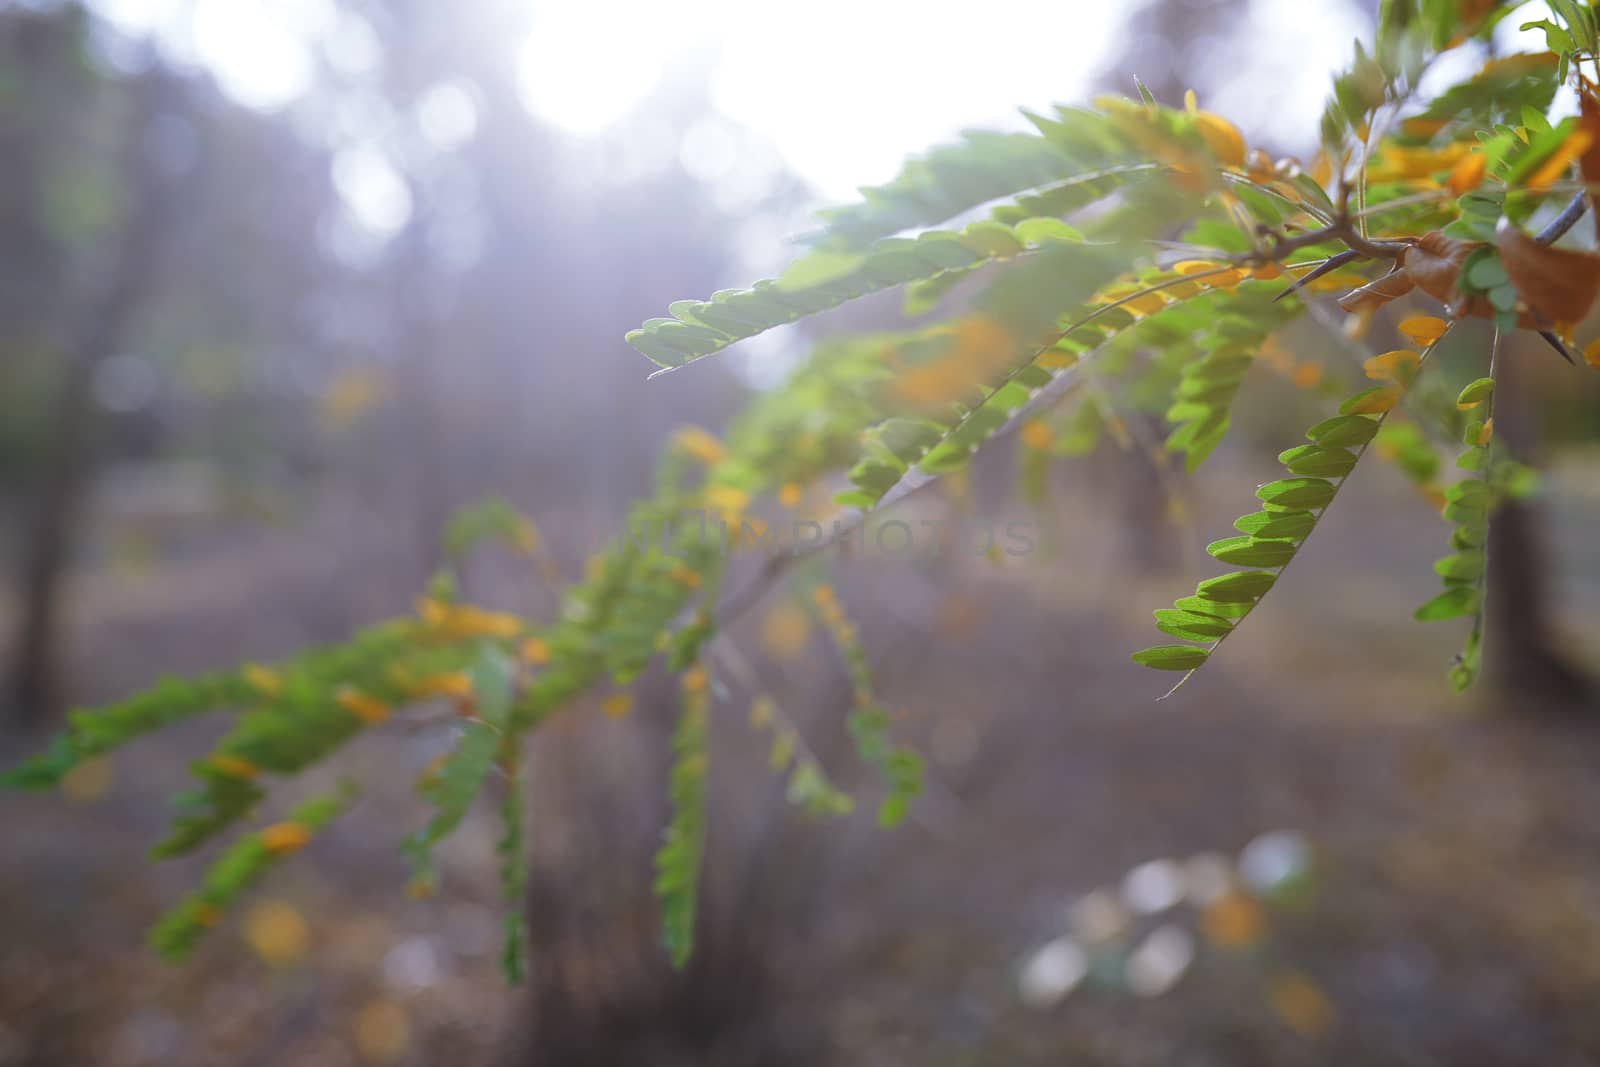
{"x":1451,"y":915}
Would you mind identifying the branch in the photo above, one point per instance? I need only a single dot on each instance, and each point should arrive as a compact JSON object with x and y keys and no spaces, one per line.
{"x":1563,"y":222}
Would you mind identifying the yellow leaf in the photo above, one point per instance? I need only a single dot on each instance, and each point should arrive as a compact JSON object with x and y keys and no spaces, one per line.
{"x":1397,"y":366}
{"x":1307,"y":375}
{"x":264,"y":681}
{"x":526,"y":540}
{"x":1233,"y":920}
{"x":727,"y":498}
{"x":363,"y":707}
{"x":457,"y":621}
{"x":382,"y":1031}
{"x":1222,"y":137}
{"x":617,"y":705}
{"x":1301,"y":1004}
{"x":1377,"y":403}
{"x":1556,"y":166}
{"x":696,"y":442}
{"x":454,"y":684}
{"x":1056,"y":359}
{"x":695,"y":681}
{"x":277,"y":932}
{"x":1591,"y":354}
{"x":790,"y":495}
{"x":785,"y":630}
{"x":1337,"y":280}
{"x":1196,"y":266}
{"x":285,"y":838}
{"x":234,"y":766}
{"x":536,"y":650}
{"x":1423,"y":330}
{"x":1036,"y":434}
{"x":88,"y":781}
{"x":1486,"y":434}
{"x":350,"y":396}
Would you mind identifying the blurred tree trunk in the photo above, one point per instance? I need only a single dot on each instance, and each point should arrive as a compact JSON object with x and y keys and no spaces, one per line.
{"x":64,"y":476}
{"x":1522,"y":658}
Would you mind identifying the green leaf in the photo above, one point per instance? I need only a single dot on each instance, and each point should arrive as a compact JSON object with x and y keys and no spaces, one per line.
{"x":1199,"y":605}
{"x":1356,"y":404}
{"x":1191,"y":625}
{"x":492,"y":518}
{"x":1289,"y":525}
{"x":1451,"y":604}
{"x":513,"y":851}
{"x":469,"y":765}
{"x":1237,"y":588}
{"x":818,"y":267}
{"x":1476,"y":392}
{"x":1344,"y":431}
{"x":1472,"y":492}
{"x":1461,"y":567}
{"x":1465,"y":669}
{"x":1172,"y":657}
{"x":1297,"y":492}
{"x":1318,"y":460}
{"x":947,"y":181}
{"x":234,"y":872}
{"x":1252,"y":552}
{"x":682,"y":852}
{"x":1488,"y":273}
{"x":1036,"y":231}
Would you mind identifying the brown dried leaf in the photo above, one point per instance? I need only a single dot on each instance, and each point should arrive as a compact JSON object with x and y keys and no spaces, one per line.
{"x":1434,"y":264}
{"x":1559,"y":285}
{"x":1375,"y":294}
{"x":1589,"y":162}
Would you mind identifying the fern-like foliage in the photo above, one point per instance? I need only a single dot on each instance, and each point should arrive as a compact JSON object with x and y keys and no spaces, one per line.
{"x":681,"y":854}
{"x":513,"y":850}
{"x":1123,"y":253}
{"x":1270,"y":538}
{"x":900,"y":768}
{"x":240,"y":867}
{"x":469,"y":765}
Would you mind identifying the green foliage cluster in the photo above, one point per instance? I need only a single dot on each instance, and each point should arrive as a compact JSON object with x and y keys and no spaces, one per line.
{"x":1124,"y":254}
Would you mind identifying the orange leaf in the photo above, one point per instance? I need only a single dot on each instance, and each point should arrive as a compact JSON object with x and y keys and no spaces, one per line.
{"x":1468,"y":172}
{"x":1422,"y":329}
{"x":1036,"y":434}
{"x":1591,"y":354}
{"x":1397,"y":366}
{"x":285,"y":837}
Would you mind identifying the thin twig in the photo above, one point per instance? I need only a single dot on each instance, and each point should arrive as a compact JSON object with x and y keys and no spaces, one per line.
{"x":1565,"y":221}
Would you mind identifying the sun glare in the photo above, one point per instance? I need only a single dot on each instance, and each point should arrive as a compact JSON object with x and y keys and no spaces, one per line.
{"x":580,"y":69}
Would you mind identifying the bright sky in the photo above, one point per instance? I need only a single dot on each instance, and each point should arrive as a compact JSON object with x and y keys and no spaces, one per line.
{"x":841,"y":90}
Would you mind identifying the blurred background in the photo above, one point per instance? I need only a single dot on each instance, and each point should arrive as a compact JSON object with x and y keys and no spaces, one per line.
{"x":283,"y":283}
